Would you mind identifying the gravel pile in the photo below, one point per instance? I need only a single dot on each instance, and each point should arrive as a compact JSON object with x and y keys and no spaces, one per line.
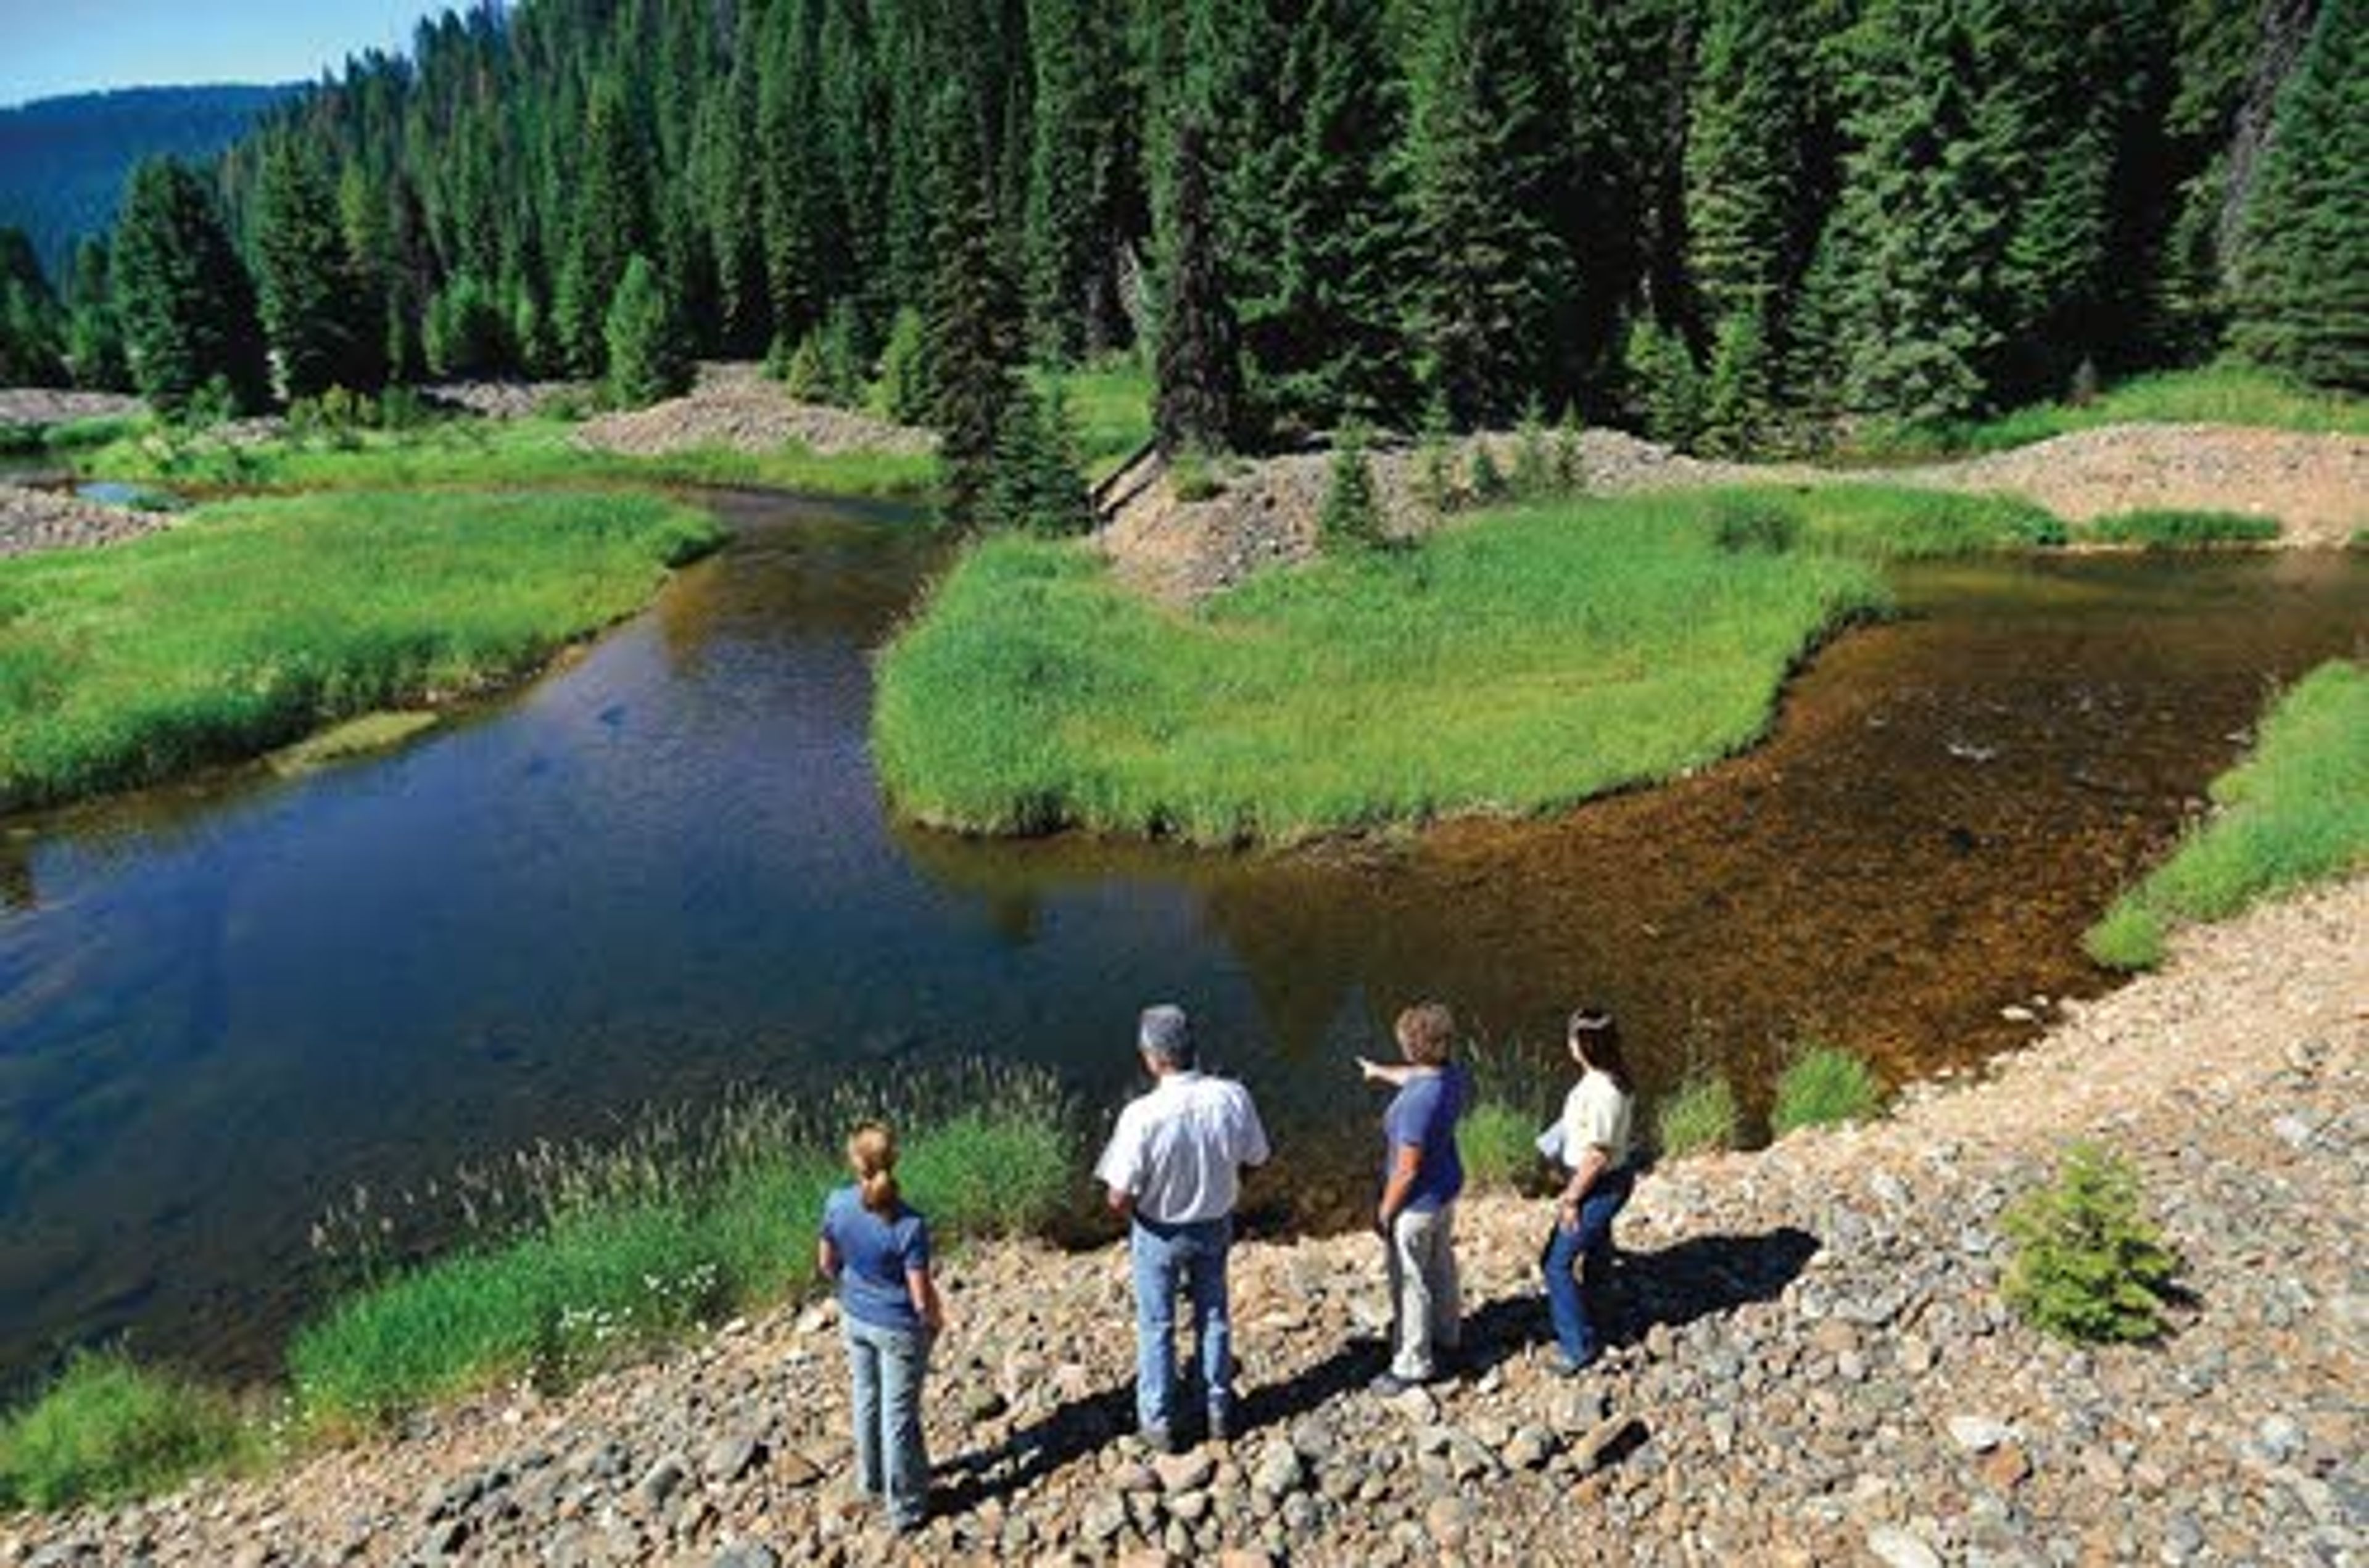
{"x":1812,"y":1365}
{"x":738,"y":408}
{"x":49,"y":406}
{"x":42,"y":519}
{"x":504,"y":399}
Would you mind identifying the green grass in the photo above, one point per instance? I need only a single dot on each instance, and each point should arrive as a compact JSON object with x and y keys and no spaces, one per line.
{"x":536,"y":451}
{"x":108,"y":1430}
{"x":1823,"y":1086}
{"x":606,"y":1251}
{"x":2214,"y":394}
{"x":2168,"y":530}
{"x":1515,"y":664}
{"x":2296,"y":812}
{"x":253,"y":623}
{"x":1496,"y":1143}
{"x":1701,"y":1117}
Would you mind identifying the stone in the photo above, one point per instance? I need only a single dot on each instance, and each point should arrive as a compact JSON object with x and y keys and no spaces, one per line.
{"x":1896,"y":1548}
{"x":661,"y":1481}
{"x":731,"y":1457}
{"x":1184,"y":1472}
{"x":1594,"y":1451}
{"x":747,"y":1555}
{"x":1530,"y":1448}
{"x":1979,"y":1434}
{"x":2005,"y":1467}
{"x":1279,"y":1473}
{"x":1105,"y":1518}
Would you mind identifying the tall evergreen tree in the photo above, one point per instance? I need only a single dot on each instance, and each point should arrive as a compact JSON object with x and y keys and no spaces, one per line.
{"x":649,"y":351}
{"x":1492,"y":271}
{"x":32,"y":328}
{"x":1749,"y":218}
{"x":94,"y":336}
{"x":187,"y":305}
{"x":613,"y":223}
{"x":1326,"y":340}
{"x":315,"y":321}
{"x":2303,"y":274}
{"x":976,"y":329}
{"x":1074,"y":178}
{"x":1198,"y":398}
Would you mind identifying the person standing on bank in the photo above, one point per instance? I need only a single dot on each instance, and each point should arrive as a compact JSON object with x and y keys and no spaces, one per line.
{"x":1596,"y":1123}
{"x":877,"y":1248}
{"x":1423,"y":1174}
{"x":1174,"y":1169}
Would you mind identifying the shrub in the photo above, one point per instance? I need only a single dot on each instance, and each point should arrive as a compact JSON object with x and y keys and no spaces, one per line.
{"x":1823,"y":1085}
{"x":1534,"y":469}
{"x":2087,"y":1265}
{"x":1488,"y":480}
{"x":1742,"y":522}
{"x":1195,"y":476}
{"x":1700,"y":1117}
{"x":1570,"y":459}
{"x":649,"y":353}
{"x":1351,"y":517}
{"x":902,"y":391}
{"x":108,"y":1430}
{"x":2164,"y":529}
{"x":1494,"y":1141}
{"x":2129,"y":936}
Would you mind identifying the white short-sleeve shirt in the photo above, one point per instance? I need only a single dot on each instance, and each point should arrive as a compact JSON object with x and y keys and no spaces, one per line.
{"x":1179,"y":1149}
{"x":1596,"y":1111}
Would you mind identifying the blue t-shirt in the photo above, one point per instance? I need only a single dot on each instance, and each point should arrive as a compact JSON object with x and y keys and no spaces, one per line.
{"x":1424,"y":1114}
{"x":875,"y":1251}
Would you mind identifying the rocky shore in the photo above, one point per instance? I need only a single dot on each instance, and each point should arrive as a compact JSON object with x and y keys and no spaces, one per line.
{"x":33,"y":519}
{"x":1812,"y":1365}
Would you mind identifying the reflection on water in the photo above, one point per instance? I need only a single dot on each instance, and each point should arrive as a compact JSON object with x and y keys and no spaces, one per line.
{"x":664,"y":870}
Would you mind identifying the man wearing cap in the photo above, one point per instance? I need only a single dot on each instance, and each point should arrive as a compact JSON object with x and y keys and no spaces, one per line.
{"x":1174,"y":1169}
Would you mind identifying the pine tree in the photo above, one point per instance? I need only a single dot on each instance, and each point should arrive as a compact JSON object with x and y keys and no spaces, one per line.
{"x":94,"y":336}
{"x":1034,"y":484}
{"x":1198,"y":405}
{"x":1324,"y":340}
{"x":2303,"y":274}
{"x":315,"y":320}
{"x":612,"y":225}
{"x":1351,"y":516}
{"x":1739,"y":411}
{"x":1663,"y":391}
{"x":647,"y":350}
{"x":187,"y":305}
{"x":1898,"y":292}
{"x":1494,"y":271}
{"x":33,"y":328}
{"x":902,"y":391}
{"x":975,"y":325}
{"x":1749,"y":222}
{"x":1073,"y":178}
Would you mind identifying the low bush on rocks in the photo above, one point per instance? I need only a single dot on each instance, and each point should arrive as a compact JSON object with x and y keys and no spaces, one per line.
{"x":106,"y":1430}
{"x":1824,"y":1086}
{"x":1700,"y":1116}
{"x":2089,"y":1264}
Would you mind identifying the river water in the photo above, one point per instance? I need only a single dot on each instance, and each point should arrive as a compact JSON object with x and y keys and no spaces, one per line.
{"x":664,"y":870}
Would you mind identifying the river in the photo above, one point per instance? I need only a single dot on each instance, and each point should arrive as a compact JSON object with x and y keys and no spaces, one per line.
{"x":664,"y":870}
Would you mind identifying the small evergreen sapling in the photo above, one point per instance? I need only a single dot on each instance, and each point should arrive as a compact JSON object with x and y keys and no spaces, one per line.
{"x":2089,"y":1264}
{"x":1351,"y":517}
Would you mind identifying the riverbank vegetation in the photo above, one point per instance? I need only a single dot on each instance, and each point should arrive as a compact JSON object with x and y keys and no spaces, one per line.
{"x":107,"y":1429}
{"x":1516,"y":663}
{"x":2296,"y":811}
{"x":250,"y":623}
{"x":474,"y":452}
{"x":1823,"y":1085}
{"x":2228,"y":393}
{"x":2167,"y":529}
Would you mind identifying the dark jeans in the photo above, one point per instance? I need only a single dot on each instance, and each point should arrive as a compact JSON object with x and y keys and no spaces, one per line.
{"x":1590,"y":1241}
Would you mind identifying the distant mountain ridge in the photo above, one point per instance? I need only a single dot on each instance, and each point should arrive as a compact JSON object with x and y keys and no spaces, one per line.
{"x":63,"y":160}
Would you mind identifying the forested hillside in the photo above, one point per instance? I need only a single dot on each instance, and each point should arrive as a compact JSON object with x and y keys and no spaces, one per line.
{"x":1732,"y":221}
{"x":63,"y":160}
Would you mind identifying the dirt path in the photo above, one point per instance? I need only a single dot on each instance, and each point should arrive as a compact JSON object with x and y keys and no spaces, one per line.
{"x":2318,"y":487}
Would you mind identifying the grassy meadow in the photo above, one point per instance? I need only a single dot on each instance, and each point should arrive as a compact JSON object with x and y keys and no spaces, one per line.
{"x":2227,"y":394}
{"x":1517,"y":663}
{"x":2296,"y":812}
{"x":252,"y":623}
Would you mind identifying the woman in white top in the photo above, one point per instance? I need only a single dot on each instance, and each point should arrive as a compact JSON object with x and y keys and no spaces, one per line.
{"x":1596,"y":1117}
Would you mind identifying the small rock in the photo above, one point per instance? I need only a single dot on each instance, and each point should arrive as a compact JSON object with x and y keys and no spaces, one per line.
{"x":748,"y":1555}
{"x":661,"y":1481}
{"x":1184,"y":1472}
{"x":1978,"y":1433}
{"x":730,"y":1458}
{"x":1895,"y":1547}
{"x":1592,"y":1452}
{"x":2005,"y":1467}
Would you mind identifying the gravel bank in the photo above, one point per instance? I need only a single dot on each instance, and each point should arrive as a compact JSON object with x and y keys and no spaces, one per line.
{"x":41,"y":519}
{"x":2318,"y":487}
{"x":736,"y":407}
{"x":50,"y":405}
{"x":1812,"y":1365}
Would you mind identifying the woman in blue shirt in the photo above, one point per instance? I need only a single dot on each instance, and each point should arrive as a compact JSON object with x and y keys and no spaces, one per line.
{"x":877,"y":1248}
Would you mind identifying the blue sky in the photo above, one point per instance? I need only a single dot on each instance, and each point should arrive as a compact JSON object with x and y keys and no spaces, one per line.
{"x":48,"y":47}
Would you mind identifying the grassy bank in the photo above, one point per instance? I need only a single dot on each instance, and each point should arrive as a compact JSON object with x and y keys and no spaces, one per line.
{"x":252,"y":623}
{"x":2293,"y":813}
{"x":2212,"y":394}
{"x":537,"y":451}
{"x":108,"y":1430}
{"x":1518,"y":663}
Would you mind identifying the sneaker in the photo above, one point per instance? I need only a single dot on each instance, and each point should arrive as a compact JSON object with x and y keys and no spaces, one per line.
{"x":1564,"y":1367}
{"x":1159,"y":1439}
{"x":1221,"y":1425}
{"x":1390,"y":1385}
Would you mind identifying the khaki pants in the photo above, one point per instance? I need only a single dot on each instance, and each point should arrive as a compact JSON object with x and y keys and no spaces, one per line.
{"x":1425,"y":1313}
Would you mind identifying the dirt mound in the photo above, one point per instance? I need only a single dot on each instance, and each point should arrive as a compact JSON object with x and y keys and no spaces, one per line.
{"x":2317,"y":487}
{"x":48,"y":406}
{"x":32,"y":520}
{"x":504,"y":399}
{"x":735,"y":408}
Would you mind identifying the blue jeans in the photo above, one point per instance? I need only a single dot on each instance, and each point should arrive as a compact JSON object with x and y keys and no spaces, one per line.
{"x":1591,"y":1240}
{"x":887,"y":1366}
{"x":1193,"y":1257}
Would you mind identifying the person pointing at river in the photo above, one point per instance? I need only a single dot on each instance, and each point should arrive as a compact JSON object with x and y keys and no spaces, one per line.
{"x":1174,"y":1169}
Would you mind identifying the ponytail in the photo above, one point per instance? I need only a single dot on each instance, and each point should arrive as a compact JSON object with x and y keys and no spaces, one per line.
{"x":871,"y":1155}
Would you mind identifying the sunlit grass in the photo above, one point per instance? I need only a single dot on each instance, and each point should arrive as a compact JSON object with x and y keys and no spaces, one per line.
{"x":1110,"y":408}
{"x":2173,"y":530}
{"x":2293,"y":813}
{"x":2227,"y":393}
{"x":251,"y":624}
{"x":106,"y":1430}
{"x":1700,"y":1116}
{"x":1515,"y":664}
{"x":1822,"y":1086}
